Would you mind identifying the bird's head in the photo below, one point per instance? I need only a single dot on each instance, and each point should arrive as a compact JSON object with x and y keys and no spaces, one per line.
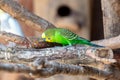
{"x":48,"y":36}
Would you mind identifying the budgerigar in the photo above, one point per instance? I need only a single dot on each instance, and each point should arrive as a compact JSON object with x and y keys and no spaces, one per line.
{"x":65,"y":37}
{"x":9,"y":24}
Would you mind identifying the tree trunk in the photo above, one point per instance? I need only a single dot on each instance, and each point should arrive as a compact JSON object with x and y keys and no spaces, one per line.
{"x":111,"y":17}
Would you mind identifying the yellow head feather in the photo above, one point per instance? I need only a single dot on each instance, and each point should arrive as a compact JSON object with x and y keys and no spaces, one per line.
{"x":43,"y":35}
{"x":46,"y":38}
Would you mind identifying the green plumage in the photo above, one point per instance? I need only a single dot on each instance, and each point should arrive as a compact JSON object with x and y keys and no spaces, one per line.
{"x":65,"y":37}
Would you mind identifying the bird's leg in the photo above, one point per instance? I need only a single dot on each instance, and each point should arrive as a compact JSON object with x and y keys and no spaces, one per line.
{"x":69,"y":43}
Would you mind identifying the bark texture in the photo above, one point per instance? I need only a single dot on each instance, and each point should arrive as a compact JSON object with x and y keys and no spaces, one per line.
{"x":111,"y":17}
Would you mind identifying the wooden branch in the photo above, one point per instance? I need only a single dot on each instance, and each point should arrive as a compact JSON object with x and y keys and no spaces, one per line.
{"x":57,"y":68}
{"x":19,"y":40}
{"x":18,"y":11}
{"x":88,"y":56}
{"x":71,"y":55}
{"x":45,"y":68}
{"x":111,"y":18}
{"x":113,"y":43}
{"x":51,"y":68}
{"x":43,"y":65}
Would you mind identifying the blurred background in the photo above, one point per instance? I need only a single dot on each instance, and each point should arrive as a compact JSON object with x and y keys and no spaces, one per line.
{"x":84,"y":17}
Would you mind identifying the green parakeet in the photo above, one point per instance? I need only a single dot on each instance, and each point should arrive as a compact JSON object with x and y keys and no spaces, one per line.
{"x":65,"y":37}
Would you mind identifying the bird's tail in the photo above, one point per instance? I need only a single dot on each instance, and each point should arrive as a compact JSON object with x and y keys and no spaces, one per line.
{"x":95,"y":45}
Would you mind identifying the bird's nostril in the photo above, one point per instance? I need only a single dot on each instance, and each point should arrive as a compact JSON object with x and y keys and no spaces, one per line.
{"x":48,"y":38}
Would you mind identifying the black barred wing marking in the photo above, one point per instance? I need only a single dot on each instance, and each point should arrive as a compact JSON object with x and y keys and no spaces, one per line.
{"x":71,"y":36}
{"x":68,"y":34}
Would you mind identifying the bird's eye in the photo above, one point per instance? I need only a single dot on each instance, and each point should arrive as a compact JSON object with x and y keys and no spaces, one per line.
{"x":48,"y":38}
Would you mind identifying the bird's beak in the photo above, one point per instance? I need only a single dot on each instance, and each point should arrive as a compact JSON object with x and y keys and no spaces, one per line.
{"x":44,"y":39}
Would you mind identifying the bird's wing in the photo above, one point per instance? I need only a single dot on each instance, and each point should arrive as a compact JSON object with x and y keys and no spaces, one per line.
{"x":71,"y":36}
{"x":68,"y":34}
